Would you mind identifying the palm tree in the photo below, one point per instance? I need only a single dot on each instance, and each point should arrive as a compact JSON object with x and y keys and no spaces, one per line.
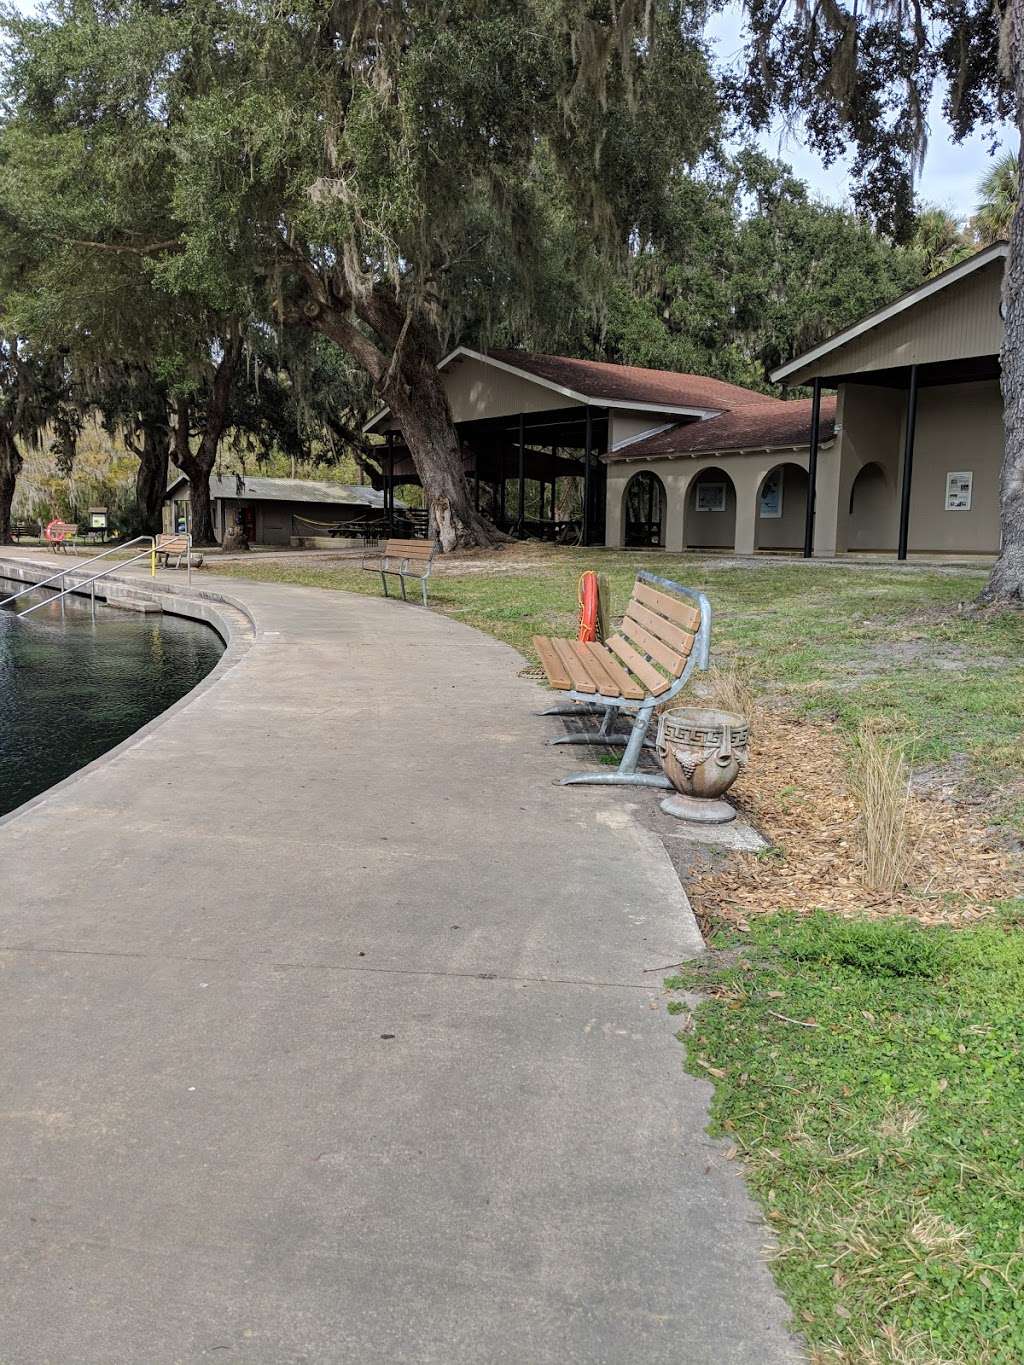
{"x":998,"y":195}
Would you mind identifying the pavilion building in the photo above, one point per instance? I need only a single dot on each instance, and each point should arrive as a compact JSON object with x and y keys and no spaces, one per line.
{"x":898,"y":449}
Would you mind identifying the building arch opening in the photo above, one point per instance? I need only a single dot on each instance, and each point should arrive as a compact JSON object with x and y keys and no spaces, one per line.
{"x":711,"y":512}
{"x":644,"y":511}
{"x":871,"y":524}
{"x":781,"y":512}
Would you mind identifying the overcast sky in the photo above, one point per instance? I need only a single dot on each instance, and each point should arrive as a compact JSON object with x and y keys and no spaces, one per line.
{"x":951,"y":171}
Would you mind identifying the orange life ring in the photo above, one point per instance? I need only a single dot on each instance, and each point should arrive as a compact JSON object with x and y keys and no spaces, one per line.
{"x":588,"y":598}
{"x":55,"y":531}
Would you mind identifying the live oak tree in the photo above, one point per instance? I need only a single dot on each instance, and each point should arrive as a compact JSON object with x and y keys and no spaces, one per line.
{"x":860,"y":75}
{"x":401,"y":171}
{"x":744,"y":270}
{"x":86,"y":156}
{"x":36,"y":396}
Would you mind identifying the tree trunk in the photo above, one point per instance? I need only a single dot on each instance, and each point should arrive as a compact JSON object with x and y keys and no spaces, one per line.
{"x":198,"y":467}
{"x":1006,"y":582}
{"x":151,"y":477}
{"x":10,"y":468}
{"x":410,"y":384}
{"x":419,"y":403}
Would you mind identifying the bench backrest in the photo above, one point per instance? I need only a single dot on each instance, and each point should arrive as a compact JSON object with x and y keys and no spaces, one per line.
{"x":62,"y":530}
{"x":418,"y":550}
{"x":662,"y":635}
{"x":176,"y":544}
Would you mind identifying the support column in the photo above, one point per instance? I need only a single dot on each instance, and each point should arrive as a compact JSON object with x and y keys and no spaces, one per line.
{"x":389,"y":490}
{"x":588,"y":456}
{"x":908,"y":465}
{"x":521,"y":513}
{"x":476,"y":478}
{"x":812,"y":470}
{"x":501,"y":485}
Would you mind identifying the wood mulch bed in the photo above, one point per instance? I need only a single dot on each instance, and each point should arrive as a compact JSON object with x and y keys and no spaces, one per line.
{"x":795,"y":792}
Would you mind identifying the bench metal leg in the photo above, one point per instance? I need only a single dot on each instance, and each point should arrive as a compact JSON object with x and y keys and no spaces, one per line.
{"x":625,"y":775}
{"x":575,"y":708}
{"x":384,"y":583}
{"x":401,"y":579}
{"x":604,"y":735}
{"x":423,"y":590}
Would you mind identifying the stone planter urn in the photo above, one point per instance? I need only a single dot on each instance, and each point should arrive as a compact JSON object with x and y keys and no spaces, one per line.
{"x":702,"y":751}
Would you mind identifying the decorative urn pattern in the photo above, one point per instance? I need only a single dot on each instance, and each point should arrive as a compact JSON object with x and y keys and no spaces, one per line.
{"x":702,"y":751}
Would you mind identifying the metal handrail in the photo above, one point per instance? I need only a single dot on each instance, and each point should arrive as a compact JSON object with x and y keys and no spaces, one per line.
{"x":84,"y":583}
{"x":114,"y":549}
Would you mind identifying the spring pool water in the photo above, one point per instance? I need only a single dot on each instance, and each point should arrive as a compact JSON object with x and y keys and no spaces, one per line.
{"x":71,"y":689}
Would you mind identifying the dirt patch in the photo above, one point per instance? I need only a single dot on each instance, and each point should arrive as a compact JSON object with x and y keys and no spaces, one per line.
{"x":795,"y":792}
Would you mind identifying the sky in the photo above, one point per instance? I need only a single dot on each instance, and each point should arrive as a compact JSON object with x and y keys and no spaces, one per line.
{"x":951,"y":171}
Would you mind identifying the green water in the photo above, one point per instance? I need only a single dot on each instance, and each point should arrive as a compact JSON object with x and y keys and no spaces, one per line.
{"x":70,"y":690}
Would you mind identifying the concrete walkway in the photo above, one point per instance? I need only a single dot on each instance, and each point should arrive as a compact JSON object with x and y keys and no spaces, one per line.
{"x":327,"y":1034}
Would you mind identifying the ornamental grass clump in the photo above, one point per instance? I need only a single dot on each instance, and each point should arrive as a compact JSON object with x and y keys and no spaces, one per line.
{"x":880,"y":783}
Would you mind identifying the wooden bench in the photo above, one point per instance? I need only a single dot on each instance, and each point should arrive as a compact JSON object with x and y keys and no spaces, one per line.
{"x":177,"y":547}
{"x":403,"y":559}
{"x":23,"y":528}
{"x":61,"y":535}
{"x":664,"y":635}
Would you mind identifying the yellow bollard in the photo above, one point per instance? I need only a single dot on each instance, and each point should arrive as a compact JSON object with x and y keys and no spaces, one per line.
{"x":152,"y":561}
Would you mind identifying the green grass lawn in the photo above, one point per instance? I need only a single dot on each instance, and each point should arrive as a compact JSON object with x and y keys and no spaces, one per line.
{"x":870,"y":1076}
{"x":867,"y":1074}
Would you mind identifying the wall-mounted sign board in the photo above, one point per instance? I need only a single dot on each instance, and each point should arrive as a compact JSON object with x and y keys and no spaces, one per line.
{"x":959,"y":486}
{"x":710,"y":497}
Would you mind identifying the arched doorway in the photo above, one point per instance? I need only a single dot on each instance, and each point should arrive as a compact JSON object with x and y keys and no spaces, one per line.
{"x":644,"y":510}
{"x":710,"y":512}
{"x":872,"y":514}
{"x":781,"y":510}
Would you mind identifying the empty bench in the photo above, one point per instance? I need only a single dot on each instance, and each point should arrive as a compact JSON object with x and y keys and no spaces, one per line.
{"x":176,"y":547}
{"x":402,"y":559}
{"x":664,"y":635}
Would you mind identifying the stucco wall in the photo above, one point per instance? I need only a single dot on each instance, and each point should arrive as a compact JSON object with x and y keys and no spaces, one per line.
{"x":477,"y":390}
{"x":871,"y":432}
{"x":629,"y":427}
{"x":959,"y":429}
{"x":958,"y":321}
{"x":738,"y":526}
{"x":785,"y":532}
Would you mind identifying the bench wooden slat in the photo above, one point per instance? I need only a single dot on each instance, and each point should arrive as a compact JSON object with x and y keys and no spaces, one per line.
{"x":408,"y":549}
{"x":680,"y":641}
{"x":672,"y":659}
{"x":593,"y":663}
{"x":655,"y":682}
{"x":558,"y":674}
{"x":577,"y":669}
{"x":681,"y":613}
{"x":624,"y":685}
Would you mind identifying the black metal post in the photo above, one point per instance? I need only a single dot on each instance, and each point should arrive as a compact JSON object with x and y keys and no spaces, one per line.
{"x":389,"y":488}
{"x":521,"y":517}
{"x":587,"y":458}
{"x":501,"y":488}
{"x":908,"y":464}
{"x":812,"y":470}
{"x":476,"y":478}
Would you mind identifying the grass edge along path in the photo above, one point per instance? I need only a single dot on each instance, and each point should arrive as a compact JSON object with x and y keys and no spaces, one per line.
{"x":870,"y":1078}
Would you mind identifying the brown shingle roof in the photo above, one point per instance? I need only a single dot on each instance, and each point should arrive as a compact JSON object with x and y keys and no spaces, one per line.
{"x":630,"y":384}
{"x":764,"y":425}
